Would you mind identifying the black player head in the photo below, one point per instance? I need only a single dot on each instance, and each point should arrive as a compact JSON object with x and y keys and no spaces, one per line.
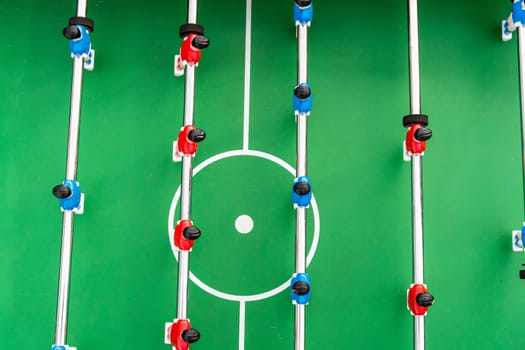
{"x":200,"y":42}
{"x":301,"y":188}
{"x":303,"y":3}
{"x":301,"y":288}
{"x":190,"y":335}
{"x":423,"y":134}
{"x":191,"y":233}
{"x":196,"y":135}
{"x":302,"y":92}
{"x":71,"y":32}
{"x":61,"y":191}
{"x":424,"y":299}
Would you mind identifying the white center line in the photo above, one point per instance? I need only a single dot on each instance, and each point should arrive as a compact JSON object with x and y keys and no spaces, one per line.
{"x":242,"y":312}
{"x":247,"y":63}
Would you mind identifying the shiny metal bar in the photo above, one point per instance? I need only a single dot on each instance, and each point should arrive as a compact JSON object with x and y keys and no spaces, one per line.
{"x":417,"y":193}
{"x":189,"y":95}
{"x":185,"y":198}
{"x":299,"y":326}
{"x":81,"y":8}
{"x":182,"y":301}
{"x":521,"y":53}
{"x":74,"y":119}
{"x":192,"y":11}
{"x":63,"y":283}
{"x":417,"y":218}
{"x":419,"y":332}
{"x":301,"y":145}
{"x":302,"y":53}
{"x":415,"y":99}
{"x":300,"y":240}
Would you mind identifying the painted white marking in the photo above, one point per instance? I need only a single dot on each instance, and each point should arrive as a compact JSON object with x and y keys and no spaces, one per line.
{"x":247,"y":66}
{"x":244,"y":224}
{"x":242,"y":313}
{"x":195,"y":279}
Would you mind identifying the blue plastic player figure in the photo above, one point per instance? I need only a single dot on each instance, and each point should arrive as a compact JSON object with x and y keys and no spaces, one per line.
{"x":303,"y":12}
{"x":515,"y":20}
{"x":80,"y":44}
{"x":70,"y":196}
{"x":62,"y":347}
{"x":302,"y":192}
{"x":302,"y":99}
{"x":300,"y":288}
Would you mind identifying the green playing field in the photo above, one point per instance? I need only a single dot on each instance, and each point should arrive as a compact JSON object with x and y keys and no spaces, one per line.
{"x":124,"y":272}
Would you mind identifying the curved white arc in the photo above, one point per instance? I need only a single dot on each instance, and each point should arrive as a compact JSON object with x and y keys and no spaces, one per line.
{"x":195,"y":279}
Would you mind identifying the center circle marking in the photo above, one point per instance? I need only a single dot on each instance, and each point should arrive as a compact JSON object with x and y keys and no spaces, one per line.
{"x":244,"y":224}
{"x":195,"y":279}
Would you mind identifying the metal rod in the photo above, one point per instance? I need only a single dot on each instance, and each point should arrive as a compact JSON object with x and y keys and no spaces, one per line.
{"x":192,"y":11}
{"x":182,"y":303}
{"x":63,"y":284}
{"x":521,"y":54}
{"x":301,"y":144}
{"x":74,"y":118}
{"x":300,"y":240}
{"x":185,"y":198}
{"x":417,"y":219}
{"x":415,"y":104}
{"x":417,"y":193}
{"x":419,"y":332}
{"x":189,"y":95}
{"x":302,"y":56}
{"x":81,"y":8}
{"x":299,"y":326}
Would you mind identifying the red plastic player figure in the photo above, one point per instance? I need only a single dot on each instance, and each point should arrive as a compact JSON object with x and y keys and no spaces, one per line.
{"x":187,"y":142}
{"x":190,"y":52}
{"x":182,"y":335}
{"x":185,"y":234}
{"x":419,"y":299}
{"x":416,"y":139}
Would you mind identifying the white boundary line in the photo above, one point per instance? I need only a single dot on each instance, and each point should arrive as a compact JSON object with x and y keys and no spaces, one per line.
{"x":242,"y":314}
{"x":195,"y":279}
{"x":247,"y":70}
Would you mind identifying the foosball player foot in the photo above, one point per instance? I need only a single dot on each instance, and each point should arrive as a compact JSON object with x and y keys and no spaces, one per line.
{"x":89,"y":62}
{"x":176,"y":155}
{"x":179,"y":66}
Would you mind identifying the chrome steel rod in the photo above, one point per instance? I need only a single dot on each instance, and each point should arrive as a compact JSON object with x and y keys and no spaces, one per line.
{"x":63,"y":284}
{"x":299,"y":326}
{"x":417,"y":219}
{"x":189,"y":95}
{"x":81,"y":8}
{"x":302,"y":56}
{"x":521,"y":54}
{"x":417,"y":201}
{"x":182,"y":301}
{"x":74,"y":119}
{"x":419,"y":332}
{"x":300,"y":240}
{"x":415,"y":99}
{"x":185,"y":198}
{"x":301,"y":145}
{"x":192,"y":11}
